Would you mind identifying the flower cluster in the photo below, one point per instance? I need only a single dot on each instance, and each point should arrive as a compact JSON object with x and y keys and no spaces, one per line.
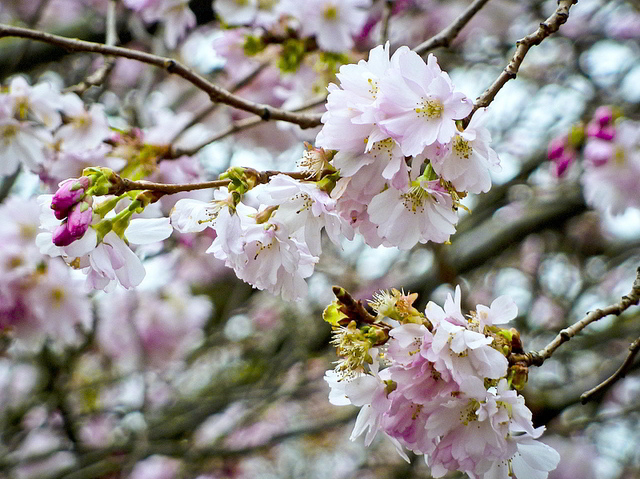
{"x":92,"y":237}
{"x":274,"y":246}
{"x":332,"y":23}
{"x":610,"y":146}
{"x":51,"y":133}
{"x":446,"y":387}
{"x":404,"y":163}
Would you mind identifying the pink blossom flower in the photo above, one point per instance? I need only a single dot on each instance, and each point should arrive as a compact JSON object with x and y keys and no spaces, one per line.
{"x":419,"y":102}
{"x":305,"y":210}
{"x":614,"y":186}
{"x":349,"y":123}
{"x":86,"y":129}
{"x":236,"y":12}
{"x":22,"y":142}
{"x":468,"y":158}
{"x":423,"y":213}
{"x":332,"y":22}
{"x":274,"y":260}
{"x":41,"y":101}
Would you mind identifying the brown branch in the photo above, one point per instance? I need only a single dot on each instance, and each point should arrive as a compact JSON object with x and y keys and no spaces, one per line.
{"x":239,"y":125}
{"x":447,"y":35}
{"x":536,"y":358}
{"x":546,"y":28}
{"x":215,"y":92}
{"x":620,"y":373}
{"x":98,"y":77}
{"x":211,"y":108}
{"x":122,"y":185}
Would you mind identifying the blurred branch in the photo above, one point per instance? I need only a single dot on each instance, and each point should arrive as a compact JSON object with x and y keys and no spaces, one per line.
{"x":546,"y":28}
{"x":98,"y":77}
{"x":620,"y":373}
{"x":240,"y":125}
{"x":211,"y":108}
{"x":387,"y":11}
{"x":536,"y":358}
{"x":215,"y":92}
{"x":446,"y":36}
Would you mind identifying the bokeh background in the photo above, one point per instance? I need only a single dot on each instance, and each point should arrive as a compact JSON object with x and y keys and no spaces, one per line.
{"x":194,"y":374}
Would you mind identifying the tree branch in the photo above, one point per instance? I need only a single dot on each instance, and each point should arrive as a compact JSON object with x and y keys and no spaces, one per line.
{"x":446,"y":36}
{"x":546,"y":28}
{"x":122,"y":185}
{"x":98,"y":77}
{"x":239,"y":125}
{"x":536,"y":358}
{"x":215,"y":92}
{"x":620,"y":373}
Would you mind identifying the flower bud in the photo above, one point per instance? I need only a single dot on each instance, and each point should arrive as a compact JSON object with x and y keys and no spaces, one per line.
{"x":69,"y":193}
{"x":62,"y":236}
{"x":603,"y":115}
{"x":556,"y":147}
{"x":79,"y":219}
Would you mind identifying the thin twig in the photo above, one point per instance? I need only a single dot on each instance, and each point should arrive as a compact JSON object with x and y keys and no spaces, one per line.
{"x":124,"y":184}
{"x":215,"y":92}
{"x":536,"y":358}
{"x":546,"y":28}
{"x":98,"y":77}
{"x":620,"y":373}
{"x":387,"y":11}
{"x":446,"y":36}
{"x":239,"y":125}
{"x":211,"y":108}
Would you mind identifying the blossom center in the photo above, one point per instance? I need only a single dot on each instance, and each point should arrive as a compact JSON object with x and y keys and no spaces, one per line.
{"x":9,"y":132}
{"x":331,"y":12}
{"x":429,"y":108}
{"x":373,"y":87}
{"x":462,"y":147}
{"x":307,"y":202}
{"x":414,"y":199}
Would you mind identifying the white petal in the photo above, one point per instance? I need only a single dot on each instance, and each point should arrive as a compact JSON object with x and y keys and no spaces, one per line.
{"x":148,"y":230}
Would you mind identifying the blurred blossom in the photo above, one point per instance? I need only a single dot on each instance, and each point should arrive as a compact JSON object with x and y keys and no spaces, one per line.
{"x":156,"y":467}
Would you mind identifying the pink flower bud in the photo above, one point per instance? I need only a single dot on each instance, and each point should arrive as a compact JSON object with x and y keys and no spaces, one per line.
{"x":79,"y":219}
{"x":562,"y":164}
{"x":556,"y":147}
{"x":596,"y":130}
{"x":62,"y":236}
{"x":69,"y":193}
{"x":603,"y":115}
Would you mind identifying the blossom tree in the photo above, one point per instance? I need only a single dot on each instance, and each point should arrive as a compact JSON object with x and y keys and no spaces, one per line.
{"x":184,"y":181}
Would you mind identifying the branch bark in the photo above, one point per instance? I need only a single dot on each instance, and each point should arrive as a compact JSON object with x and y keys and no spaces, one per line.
{"x":546,"y":28}
{"x":215,"y":92}
{"x":536,"y":358}
{"x":446,"y":36}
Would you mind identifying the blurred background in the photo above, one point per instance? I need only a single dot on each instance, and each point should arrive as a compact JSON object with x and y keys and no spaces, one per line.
{"x":194,"y":374}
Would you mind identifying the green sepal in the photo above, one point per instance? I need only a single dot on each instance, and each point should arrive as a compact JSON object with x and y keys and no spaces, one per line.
{"x":253,"y":45}
{"x":291,"y":56}
{"x":332,"y":314}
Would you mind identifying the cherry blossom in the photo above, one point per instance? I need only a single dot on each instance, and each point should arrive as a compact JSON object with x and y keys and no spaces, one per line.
{"x":419,"y":102}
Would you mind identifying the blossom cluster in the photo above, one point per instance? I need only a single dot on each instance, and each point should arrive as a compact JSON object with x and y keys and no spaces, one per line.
{"x":404,"y":162}
{"x":272,"y":237}
{"x":610,"y":146}
{"x":391,"y":162}
{"x":439,"y":384}
{"x":92,"y":237}
{"x":51,"y":133}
